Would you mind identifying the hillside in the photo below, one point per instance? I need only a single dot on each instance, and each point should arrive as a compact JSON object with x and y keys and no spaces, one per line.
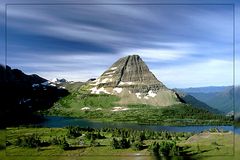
{"x":128,"y":91}
{"x":189,"y":99}
{"x":23,"y":95}
{"x":221,"y":99}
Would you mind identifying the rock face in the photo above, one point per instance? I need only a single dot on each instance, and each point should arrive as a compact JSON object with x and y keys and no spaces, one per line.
{"x":131,"y":79}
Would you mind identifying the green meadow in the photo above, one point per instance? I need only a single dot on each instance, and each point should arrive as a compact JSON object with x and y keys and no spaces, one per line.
{"x":74,"y":143}
{"x":82,"y":104}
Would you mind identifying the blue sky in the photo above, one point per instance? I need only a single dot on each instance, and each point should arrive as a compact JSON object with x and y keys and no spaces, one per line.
{"x":183,"y":45}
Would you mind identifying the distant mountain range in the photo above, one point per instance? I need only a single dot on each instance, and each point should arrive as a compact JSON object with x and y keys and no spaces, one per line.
{"x":189,"y":99}
{"x":207,"y":89}
{"x":220,"y":98}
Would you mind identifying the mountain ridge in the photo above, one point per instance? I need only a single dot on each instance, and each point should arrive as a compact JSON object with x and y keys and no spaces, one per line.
{"x":24,"y":95}
{"x":221,"y":99}
{"x":189,"y":99}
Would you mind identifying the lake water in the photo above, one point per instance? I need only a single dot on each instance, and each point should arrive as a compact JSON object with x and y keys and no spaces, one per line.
{"x":54,"y":121}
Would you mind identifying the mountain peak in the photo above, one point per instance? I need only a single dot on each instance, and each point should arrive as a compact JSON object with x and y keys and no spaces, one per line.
{"x":134,"y":56}
{"x":130,"y":77}
{"x":58,"y":80}
{"x":131,"y":69}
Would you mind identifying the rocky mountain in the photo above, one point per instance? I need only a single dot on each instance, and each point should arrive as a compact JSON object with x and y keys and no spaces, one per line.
{"x":58,"y":80}
{"x":131,"y":79}
{"x":22,"y":95}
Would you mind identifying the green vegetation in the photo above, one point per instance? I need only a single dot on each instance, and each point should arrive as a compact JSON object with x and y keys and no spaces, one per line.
{"x":137,"y":145}
{"x":100,"y":108}
{"x":221,"y":100}
{"x":2,"y":140}
{"x":166,"y":148}
{"x":88,"y":100}
{"x":71,"y":105}
{"x":31,"y":141}
{"x":87,"y":142}
{"x":121,"y":144}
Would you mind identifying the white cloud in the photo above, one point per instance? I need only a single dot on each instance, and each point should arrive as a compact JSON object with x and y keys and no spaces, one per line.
{"x":164,"y":51}
{"x":155,"y":33}
{"x":211,"y":72}
{"x":85,"y":33}
{"x":76,"y":66}
{"x":155,"y":55}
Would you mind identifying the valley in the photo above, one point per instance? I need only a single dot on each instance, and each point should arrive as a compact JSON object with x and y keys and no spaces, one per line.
{"x":220,"y":98}
{"x":129,"y":92}
{"x":138,"y":108}
{"x":101,"y":108}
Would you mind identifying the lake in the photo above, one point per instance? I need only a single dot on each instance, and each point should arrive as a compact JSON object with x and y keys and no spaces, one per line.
{"x":56,"y":122}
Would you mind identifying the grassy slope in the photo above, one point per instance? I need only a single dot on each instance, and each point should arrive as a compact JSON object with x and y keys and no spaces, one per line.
{"x":210,"y":145}
{"x":172,"y":115}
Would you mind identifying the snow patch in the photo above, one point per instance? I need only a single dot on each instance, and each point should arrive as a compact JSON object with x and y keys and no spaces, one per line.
{"x":61,"y":87}
{"x":146,"y":97}
{"x":24,"y":101}
{"x":129,"y":92}
{"x":115,"y":109}
{"x":98,"y":109}
{"x":97,"y":81}
{"x":45,"y":83}
{"x":118,"y":90}
{"x":94,"y":90}
{"x":27,"y":100}
{"x":85,"y":108}
{"x":151,"y":94}
{"x":51,"y":84}
{"x":35,"y":85}
{"x":126,"y":83}
{"x":105,"y":80}
{"x":108,"y":73}
{"x":54,"y":80}
{"x":138,"y":95}
{"x":58,"y":81}
{"x":113,"y":68}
